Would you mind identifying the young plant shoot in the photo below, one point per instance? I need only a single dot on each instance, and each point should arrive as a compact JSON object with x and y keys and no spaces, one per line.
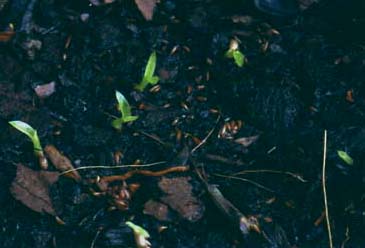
{"x":235,"y":54}
{"x":32,"y":134}
{"x":148,"y":77}
{"x":140,"y":235}
{"x":125,"y":109}
{"x":345,"y":157}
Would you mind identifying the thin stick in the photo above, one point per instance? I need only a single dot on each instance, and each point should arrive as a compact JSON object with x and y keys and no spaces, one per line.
{"x":246,"y":180}
{"x":296,"y":176}
{"x":112,"y":167}
{"x":324,"y":188}
{"x":206,"y":137}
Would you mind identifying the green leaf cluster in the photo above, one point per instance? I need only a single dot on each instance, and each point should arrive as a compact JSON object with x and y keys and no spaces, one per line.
{"x":238,"y":57}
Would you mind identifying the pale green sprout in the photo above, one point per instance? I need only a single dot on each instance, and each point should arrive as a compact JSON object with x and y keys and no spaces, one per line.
{"x":345,"y":157}
{"x":235,"y":53}
{"x":30,"y":132}
{"x":140,"y":235}
{"x":33,"y":136}
{"x":125,"y":109}
{"x":148,"y":77}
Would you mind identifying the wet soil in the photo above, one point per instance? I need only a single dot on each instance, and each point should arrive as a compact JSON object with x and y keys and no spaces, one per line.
{"x":303,"y":75}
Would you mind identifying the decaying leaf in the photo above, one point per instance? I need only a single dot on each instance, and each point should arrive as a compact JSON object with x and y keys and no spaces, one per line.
{"x":246,"y":141}
{"x":179,"y":197}
{"x":61,"y":162}
{"x":32,"y":189}
{"x":157,"y":209}
{"x":146,"y":7}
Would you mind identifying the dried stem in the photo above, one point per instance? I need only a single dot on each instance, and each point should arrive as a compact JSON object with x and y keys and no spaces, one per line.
{"x":325,"y":190}
{"x":111,"y":167}
{"x":149,"y":173}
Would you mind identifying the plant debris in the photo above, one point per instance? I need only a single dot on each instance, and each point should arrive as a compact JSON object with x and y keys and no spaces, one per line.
{"x":61,"y":162}
{"x":179,"y":197}
{"x":32,"y":188}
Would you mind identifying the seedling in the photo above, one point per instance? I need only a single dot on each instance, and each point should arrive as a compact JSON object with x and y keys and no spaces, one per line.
{"x":125,"y":109}
{"x":148,"y":77}
{"x":345,"y":157}
{"x":234,"y":53}
{"x":140,"y":235}
{"x":32,"y":134}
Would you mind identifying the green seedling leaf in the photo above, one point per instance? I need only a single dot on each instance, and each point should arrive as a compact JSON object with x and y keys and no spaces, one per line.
{"x":123,"y":105}
{"x":117,"y":124}
{"x":125,"y":109}
{"x":235,"y":54}
{"x":148,"y":77}
{"x":239,"y":58}
{"x":30,"y":132}
{"x":345,"y":157}
{"x":140,"y":235}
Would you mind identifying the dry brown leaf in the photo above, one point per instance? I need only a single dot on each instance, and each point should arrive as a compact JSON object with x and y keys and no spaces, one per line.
{"x":61,"y":162}
{"x":146,"y":7}
{"x":179,"y":197}
{"x":32,"y":189}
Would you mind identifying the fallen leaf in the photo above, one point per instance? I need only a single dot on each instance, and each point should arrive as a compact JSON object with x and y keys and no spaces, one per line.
{"x":246,"y":141}
{"x":32,"y":189}
{"x":45,"y":90}
{"x":61,"y":162}
{"x":146,"y":7}
{"x":179,"y":197}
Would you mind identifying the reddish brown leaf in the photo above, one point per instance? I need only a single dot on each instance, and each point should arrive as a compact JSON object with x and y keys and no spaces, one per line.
{"x":146,"y":7}
{"x":32,"y":189}
{"x":6,"y":36}
{"x":61,"y":162}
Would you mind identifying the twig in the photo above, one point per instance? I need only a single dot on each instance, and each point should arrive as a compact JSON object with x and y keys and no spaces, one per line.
{"x":296,"y":176}
{"x":96,"y":237}
{"x":206,"y":137}
{"x":246,"y":180}
{"x":324,"y":188}
{"x":243,"y":223}
{"x":129,"y":174}
{"x":112,"y":167}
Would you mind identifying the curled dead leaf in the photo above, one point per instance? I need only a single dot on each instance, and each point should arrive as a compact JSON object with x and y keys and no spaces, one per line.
{"x":32,"y":189}
{"x":61,"y":162}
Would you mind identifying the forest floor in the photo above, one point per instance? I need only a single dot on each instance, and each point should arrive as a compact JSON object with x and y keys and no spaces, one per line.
{"x":248,"y":141}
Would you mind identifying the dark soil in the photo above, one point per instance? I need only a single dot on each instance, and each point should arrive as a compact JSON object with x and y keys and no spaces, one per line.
{"x":303,"y":75}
